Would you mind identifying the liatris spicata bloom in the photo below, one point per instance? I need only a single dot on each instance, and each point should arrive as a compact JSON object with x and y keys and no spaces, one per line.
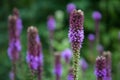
{"x":70,"y":74}
{"x":58,"y":67}
{"x":34,"y":53}
{"x":107,"y":55}
{"x":97,"y":16}
{"x":19,"y":21}
{"x":70,"y":7}
{"x":67,"y":55}
{"x":14,"y":41}
{"x":76,"y":36}
{"x":100,"y":70}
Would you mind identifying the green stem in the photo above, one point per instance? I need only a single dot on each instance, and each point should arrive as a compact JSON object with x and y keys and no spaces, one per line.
{"x":76,"y":56}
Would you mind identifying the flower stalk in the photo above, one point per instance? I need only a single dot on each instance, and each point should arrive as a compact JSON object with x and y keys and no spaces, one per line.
{"x":76,"y":36}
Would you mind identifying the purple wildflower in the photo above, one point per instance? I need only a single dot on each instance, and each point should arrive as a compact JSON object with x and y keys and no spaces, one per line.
{"x":67,"y":55}
{"x":107,"y":55}
{"x":96,"y":15}
{"x":58,"y":66}
{"x":70,"y":7}
{"x":91,"y":37}
{"x":34,"y":54}
{"x":100,"y":70}
{"x":70,"y":74}
{"x":19,"y":21}
{"x":83,"y":64}
{"x":51,"y":23}
{"x":76,"y":32}
{"x":14,"y":41}
{"x":76,"y":36}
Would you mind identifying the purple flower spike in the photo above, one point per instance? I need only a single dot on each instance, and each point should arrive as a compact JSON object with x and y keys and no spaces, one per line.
{"x":51,"y":23}
{"x":83,"y":64}
{"x":91,"y":37}
{"x":70,"y":7}
{"x":70,"y":74}
{"x":14,"y":41}
{"x":107,"y":55}
{"x":58,"y":66}
{"x":67,"y":55}
{"x":76,"y":32}
{"x":100,"y":70}
{"x":34,"y":54}
{"x":96,"y":15}
{"x":19,"y":21}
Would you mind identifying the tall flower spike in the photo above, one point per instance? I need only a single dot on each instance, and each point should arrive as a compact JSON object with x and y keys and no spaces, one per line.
{"x":58,"y":67}
{"x":34,"y":53}
{"x":76,"y":36}
{"x":100,"y":70}
{"x":19,"y":21}
{"x":14,"y":45}
{"x":70,"y":74}
{"x":108,"y":65}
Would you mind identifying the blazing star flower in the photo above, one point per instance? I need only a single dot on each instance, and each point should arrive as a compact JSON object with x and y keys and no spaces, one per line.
{"x":100,"y":70}
{"x":70,"y":74}
{"x":96,"y":15}
{"x":76,"y":36}
{"x":67,"y":55}
{"x":58,"y":66}
{"x":76,"y":32}
{"x":91,"y":37}
{"x":83,"y":64}
{"x":107,"y":55}
{"x":14,"y":41}
{"x":34,"y":54}
{"x":51,"y":23}
{"x":70,"y":7}
{"x":18,"y":22}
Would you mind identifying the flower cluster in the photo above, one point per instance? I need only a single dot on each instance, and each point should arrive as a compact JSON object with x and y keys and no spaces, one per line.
{"x":76,"y":32}
{"x":58,"y":66}
{"x":14,"y":41}
{"x":100,"y":70}
{"x":34,"y":53}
